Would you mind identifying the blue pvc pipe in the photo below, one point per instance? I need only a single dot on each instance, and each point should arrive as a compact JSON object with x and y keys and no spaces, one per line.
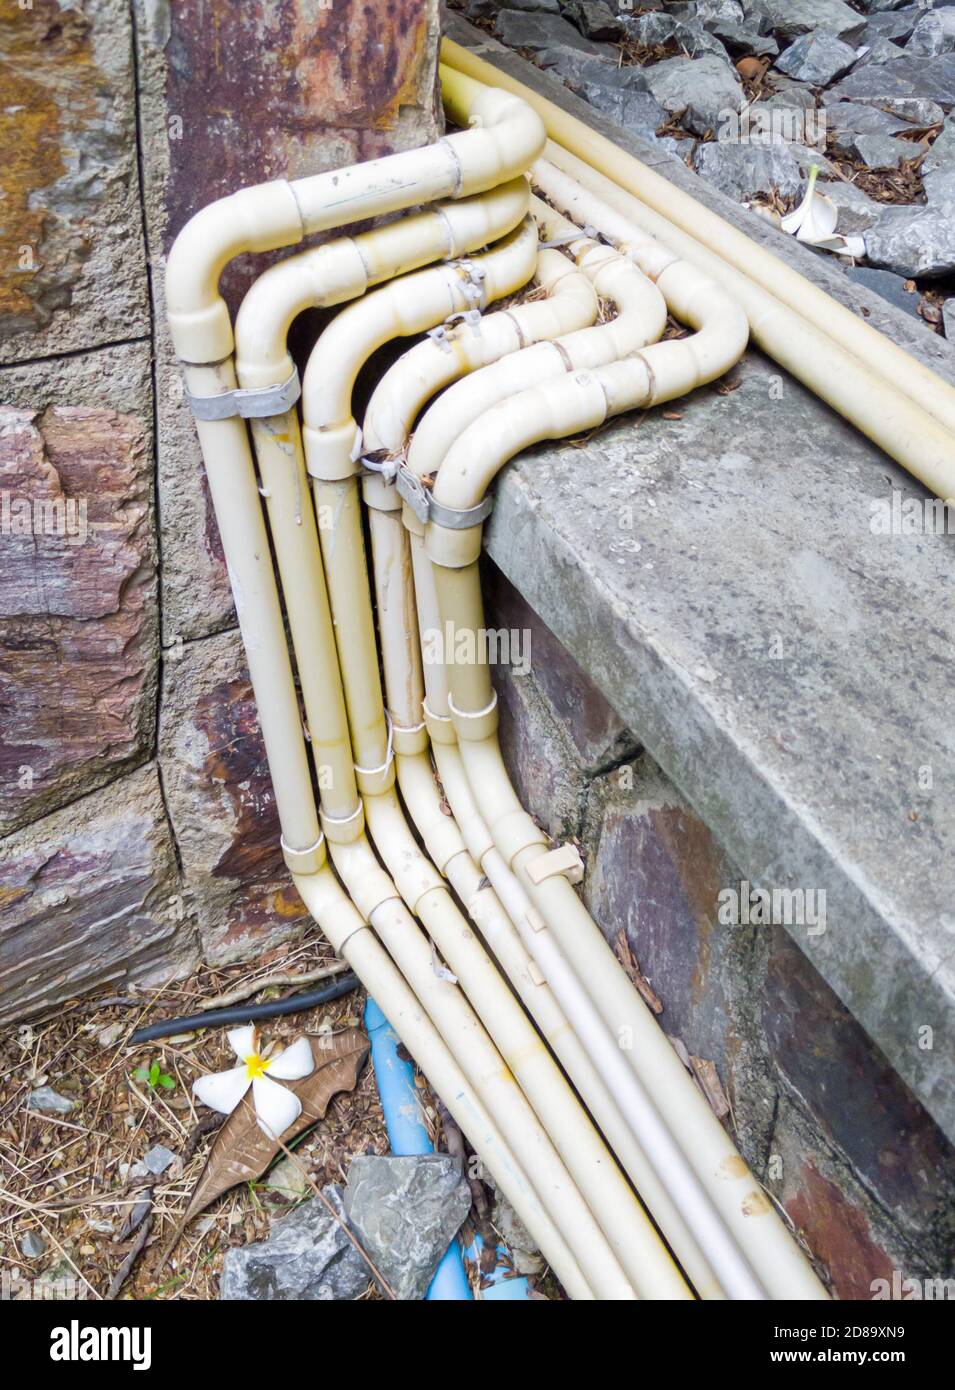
{"x":504,"y":1284}
{"x":407,"y":1135}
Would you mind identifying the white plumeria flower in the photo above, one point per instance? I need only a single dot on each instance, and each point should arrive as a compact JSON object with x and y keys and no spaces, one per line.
{"x":814,"y":222}
{"x":276,"y":1107}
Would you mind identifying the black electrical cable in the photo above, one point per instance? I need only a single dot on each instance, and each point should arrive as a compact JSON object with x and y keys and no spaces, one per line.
{"x":245,"y":1013}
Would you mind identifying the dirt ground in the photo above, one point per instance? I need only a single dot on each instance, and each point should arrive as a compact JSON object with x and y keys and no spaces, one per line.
{"x":67,"y":1177}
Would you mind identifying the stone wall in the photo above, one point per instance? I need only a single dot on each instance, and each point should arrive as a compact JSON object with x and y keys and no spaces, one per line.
{"x":137,"y":819}
{"x":837,"y":1138}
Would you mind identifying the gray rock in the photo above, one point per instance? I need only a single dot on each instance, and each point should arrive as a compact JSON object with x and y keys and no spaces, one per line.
{"x":914,"y":88}
{"x":406,"y":1211}
{"x":914,"y":241}
{"x":868,"y":134}
{"x":158,"y":1159}
{"x":890,"y":287}
{"x":307,"y":1257}
{"x":791,"y":18}
{"x":934,"y":33}
{"x":619,"y":93}
{"x":643,"y":114}
{"x":680,"y":149}
{"x":752,"y":167}
{"x":756,"y":17}
{"x":596,"y":20}
{"x":487,"y":9}
{"x":857,"y":211}
{"x":897,"y":25}
{"x":941,"y":152}
{"x":817,"y":58}
{"x":45,"y":1099}
{"x":663,"y":28}
{"x":519,"y":1243}
{"x":787,"y":95}
{"x":706,"y":89}
{"x":882,"y":51}
{"x":881,"y":151}
{"x":710,"y":12}
{"x":844,"y":120}
{"x":576,"y":68}
{"x":741,"y":41}
{"x":874,"y":7}
{"x":938,"y":166}
{"x":523,"y":29}
{"x":31,"y":1245}
{"x":287,"y":1179}
{"x":948,"y":319}
{"x":940,"y":186}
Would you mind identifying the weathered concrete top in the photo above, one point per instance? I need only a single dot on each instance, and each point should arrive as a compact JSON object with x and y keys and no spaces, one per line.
{"x":719,"y":578}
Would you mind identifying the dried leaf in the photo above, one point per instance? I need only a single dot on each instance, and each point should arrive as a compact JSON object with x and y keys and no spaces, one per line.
{"x":241,"y":1151}
{"x":709,"y":1081}
{"x":631,"y":965}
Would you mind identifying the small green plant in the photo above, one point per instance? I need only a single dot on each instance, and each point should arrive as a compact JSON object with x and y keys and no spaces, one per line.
{"x":153,"y":1076}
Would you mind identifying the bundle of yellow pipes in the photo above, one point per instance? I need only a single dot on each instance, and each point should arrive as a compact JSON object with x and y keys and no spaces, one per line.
{"x":530,"y":1032}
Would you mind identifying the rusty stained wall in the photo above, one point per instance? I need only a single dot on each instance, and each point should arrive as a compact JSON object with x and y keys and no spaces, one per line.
{"x":238,"y":94}
{"x":118,"y":122}
{"x":70,"y":190}
{"x":260,"y":91}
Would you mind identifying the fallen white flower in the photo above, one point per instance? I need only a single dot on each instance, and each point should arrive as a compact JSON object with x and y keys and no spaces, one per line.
{"x":276,"y":1107}
{"x":814,"y":222}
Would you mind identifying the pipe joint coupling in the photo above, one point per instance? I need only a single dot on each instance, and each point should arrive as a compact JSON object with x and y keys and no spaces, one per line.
{"x":332,"y":452}
{"x":440,"y":727}
{"x":410,"y":740}
{"x":304,"y":861}
{"x":476,"y":727}
{"x":516,"y":831}
{"x":374,"y":783}
{"x":344,"y":830}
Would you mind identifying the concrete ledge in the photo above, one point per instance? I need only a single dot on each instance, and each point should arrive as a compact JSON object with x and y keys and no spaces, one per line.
{"x":717,"y":577}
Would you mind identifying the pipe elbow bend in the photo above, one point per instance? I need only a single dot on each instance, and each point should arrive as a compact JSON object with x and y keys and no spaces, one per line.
{"x":511,"y":263}
{"x":326,"y":274}
{"x":506,"y":134}
{"x":478,"y":221}
{"x":261,"y":218}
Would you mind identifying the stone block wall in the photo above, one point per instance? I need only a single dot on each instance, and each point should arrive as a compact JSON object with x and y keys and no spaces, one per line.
{"x":860,"y":1168}
{"x":137,"y":828}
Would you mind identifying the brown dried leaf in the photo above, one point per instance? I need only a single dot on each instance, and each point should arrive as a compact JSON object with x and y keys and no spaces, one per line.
{"x":621,"y":949}
{"x":709,"y":1081}
{"x":241,"y":1151}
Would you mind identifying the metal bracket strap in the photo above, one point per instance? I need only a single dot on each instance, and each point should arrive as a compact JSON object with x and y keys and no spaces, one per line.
{"x":250,"y":404}
{"x":426,"y":509}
